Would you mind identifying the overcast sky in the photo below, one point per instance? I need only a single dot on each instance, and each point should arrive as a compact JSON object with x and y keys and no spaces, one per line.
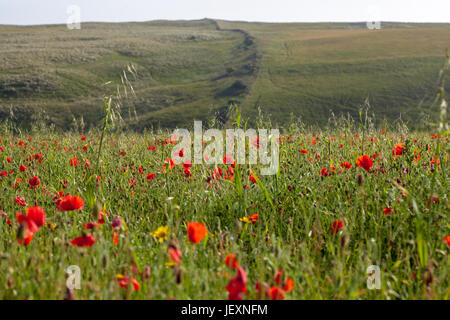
{"x":55,"y":11}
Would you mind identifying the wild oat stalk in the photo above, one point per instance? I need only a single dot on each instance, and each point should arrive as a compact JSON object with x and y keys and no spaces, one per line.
{"x":441,"y":98}
{"x":113,"y":105}
{"x":112,"y":120}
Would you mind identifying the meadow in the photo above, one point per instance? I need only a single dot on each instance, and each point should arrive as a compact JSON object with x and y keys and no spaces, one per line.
{"x":196,"y":69}
{"x":140,"y":226}
{"x":94,"y":205}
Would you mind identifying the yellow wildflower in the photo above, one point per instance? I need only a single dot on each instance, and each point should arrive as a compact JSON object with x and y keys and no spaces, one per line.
{"x":162,"y":233}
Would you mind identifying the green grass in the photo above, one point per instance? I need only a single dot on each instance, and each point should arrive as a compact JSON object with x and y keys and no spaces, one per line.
{"x":312,"y":69}
{"x":177,"y":66}
{"x":188,"y":68}
{"x":292,"y":235}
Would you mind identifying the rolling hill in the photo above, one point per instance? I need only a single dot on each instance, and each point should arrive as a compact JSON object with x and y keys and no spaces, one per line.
{"x":188,"y":70}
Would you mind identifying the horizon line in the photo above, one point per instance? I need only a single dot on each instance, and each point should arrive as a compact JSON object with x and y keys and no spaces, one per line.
{"x":245,"y":21}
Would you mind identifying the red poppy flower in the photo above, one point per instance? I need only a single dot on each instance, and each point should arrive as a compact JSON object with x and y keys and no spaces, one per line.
{"x":324,"y":172}
{"x":277,"y":293}
{"x":175,"y":254}
{"x":38,"y":157}
{"x":304,"y":151}
{"x":70,"y":203}
{"x":37,"y":215}
{"x":435,"y":160}
{"x":101,"y":216}
{"x":252,"y":178}
{"x":151,"y":176}
{"x":217,"y":173}
{"x":171,"y":163}
{"x":34,"y":182}
{"x":433,"y":199}
{"x":255,"y":142}
{"x":346,"y":165}
{"x":90,"y":226}
{"x":447,"y":240}
{"x":124,"y":282}
{"x":387,"y":211}
{"x":116,"y":238}
{"x":20,"y":201}
{"x":187,"y":173}
{"x":237,"y":285}
{"x":187,"y":165}
{"x":337,"y":226}
{"x":57,"y":198}
{"x":253,"y":218}
{"x":28,"y":221}
{"x":196,"y":232}
{"x":73,"y":162}
{"x":231,"y":261}
{"x":288,"y":285}
{"x":398,"y":149}
{"x":24,"y":237}
{"x":31,"y":222}
{"x":278,"y":276}
{"x":83,"y":241}
{"x":364,"y":162}
{"x":22,"y":168}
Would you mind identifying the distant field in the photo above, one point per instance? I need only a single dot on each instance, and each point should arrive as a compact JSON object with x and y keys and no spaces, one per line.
{"x":194,"y":69}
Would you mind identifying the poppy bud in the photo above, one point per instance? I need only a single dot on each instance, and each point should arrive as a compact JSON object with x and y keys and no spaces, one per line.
{"x":117,"y":223}
{"x":147,"y":272}
{"x":97,"y":210}
{"x":104,"y":261}
{"x":360,"y":179}
{"x":344,"y":241}
{"x":428,"y":277}
{"x":69,"y":295}
{"x":10,"y":282}
{"x":178,"y":274}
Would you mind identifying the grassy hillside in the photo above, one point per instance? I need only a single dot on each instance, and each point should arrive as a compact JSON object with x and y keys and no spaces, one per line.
{"x":194,"y":69}
{"x":312,"y":69}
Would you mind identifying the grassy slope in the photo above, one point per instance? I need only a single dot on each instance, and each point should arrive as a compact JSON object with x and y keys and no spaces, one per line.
{"x":64,"y":71}
{"x":312,"y":69}
{"x":186,"y":69}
